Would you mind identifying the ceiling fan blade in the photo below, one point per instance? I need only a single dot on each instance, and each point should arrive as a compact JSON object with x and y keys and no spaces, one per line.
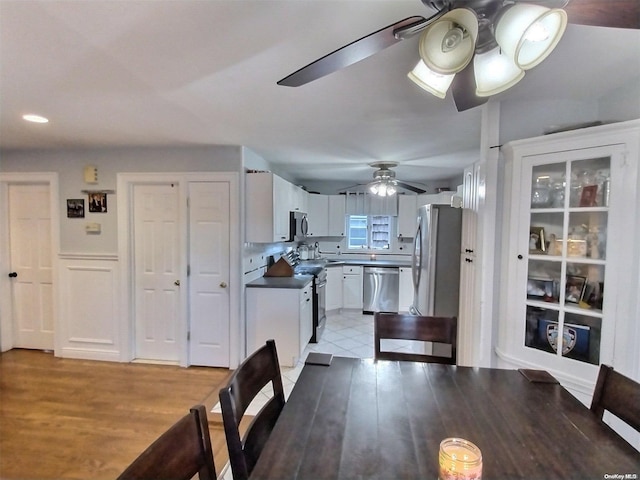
{"x":463,"y":89}
{"x":352,"y":53}
{"x":406,"y":186}
{"x":612,"y":13}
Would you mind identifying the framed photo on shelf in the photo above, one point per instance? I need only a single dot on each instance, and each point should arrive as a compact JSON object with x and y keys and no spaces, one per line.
{"x":588,"y":197}
{"x":537,"y":242}
{"x":540,"y":288}
{"x":592,"y":294}
{"x":574,"y":288}
{"x":75,"y":208}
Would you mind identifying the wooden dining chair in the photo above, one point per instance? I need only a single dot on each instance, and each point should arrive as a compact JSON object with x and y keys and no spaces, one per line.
{"x":397,"y":326}
{"x":179,"y":453}
{"x":253,"y":374}
{"x":619,"y":395}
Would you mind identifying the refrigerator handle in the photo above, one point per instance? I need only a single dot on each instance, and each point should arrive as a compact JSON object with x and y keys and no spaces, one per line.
{"x":417,"y":258}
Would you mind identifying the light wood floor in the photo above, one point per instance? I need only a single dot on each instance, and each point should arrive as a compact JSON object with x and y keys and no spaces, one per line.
{"x":78,"y":419}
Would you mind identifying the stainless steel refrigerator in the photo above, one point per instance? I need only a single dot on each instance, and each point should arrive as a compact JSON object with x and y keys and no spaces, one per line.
{"x":436,"y":261}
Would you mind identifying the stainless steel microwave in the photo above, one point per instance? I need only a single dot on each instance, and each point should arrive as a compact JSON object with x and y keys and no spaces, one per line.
{"x":298,"y":226}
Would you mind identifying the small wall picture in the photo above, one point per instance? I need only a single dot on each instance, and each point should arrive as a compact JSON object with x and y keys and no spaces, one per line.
{"x":75,"y":207}
{"x":574,"y":288}
{"x":98,"y":202}
{"x":536,"y":240}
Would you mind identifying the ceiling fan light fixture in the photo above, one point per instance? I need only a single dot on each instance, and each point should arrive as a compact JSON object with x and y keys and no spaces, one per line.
{"x":495,"y":72}
{"x":447,"y":46}
{"x":383,"y":188}
{"x":528,"y":33}
{"x":435,"y":83}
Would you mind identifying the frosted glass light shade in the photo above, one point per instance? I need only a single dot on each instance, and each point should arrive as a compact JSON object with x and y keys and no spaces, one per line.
{"x":528,"y":33}
{"x":434,"y":83}
{"x":495,"y":72}
{"x":383,"y":188}
{"x":447,"y":46}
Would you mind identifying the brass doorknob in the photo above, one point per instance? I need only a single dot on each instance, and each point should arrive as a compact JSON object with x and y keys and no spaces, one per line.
{"x":177,"y":283}
{"x":223,"y":284}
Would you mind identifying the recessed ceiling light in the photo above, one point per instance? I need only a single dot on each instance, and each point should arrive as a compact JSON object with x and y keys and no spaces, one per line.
{"x":30,"y":117}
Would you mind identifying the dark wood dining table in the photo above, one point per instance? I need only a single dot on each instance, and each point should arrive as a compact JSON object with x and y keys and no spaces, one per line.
{"x":361,"y":419}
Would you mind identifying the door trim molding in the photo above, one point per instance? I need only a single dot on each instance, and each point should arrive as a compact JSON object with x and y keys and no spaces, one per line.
{"x":6,"y":313}
{"x":125,"y":184}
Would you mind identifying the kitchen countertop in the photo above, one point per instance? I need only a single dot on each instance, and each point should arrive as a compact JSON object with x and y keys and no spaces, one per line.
{"x":370,"y":263}
{"x":297,"y":281}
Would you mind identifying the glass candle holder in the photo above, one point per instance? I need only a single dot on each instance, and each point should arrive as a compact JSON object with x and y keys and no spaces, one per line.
{"x":459,"y":460}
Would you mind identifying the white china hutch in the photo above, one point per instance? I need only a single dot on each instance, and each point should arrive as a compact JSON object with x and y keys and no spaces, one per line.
{"x":570,"y":264}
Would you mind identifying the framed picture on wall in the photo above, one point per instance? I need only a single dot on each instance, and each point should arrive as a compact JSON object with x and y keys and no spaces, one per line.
{"x":75,"y":208}
{"x":97,"y":202}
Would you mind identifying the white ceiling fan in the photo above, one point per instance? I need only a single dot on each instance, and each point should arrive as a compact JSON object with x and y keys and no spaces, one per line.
{"x":384,"y":181}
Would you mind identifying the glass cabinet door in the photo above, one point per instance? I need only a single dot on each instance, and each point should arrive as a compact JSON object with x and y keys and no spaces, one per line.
{"x":566,"y":272}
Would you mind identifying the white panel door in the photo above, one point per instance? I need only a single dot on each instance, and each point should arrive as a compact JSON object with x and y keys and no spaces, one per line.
{"x":157,"y":273}
{"x":209,"y":273}
{"x":31,"y":261}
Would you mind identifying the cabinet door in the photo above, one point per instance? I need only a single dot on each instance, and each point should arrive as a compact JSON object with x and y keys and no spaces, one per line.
{"x":570,"y":243}
{"x":405,"y":297}
{"x":467,"y":311}
{"x":337,"y":212}
{"x":318,"y":215}
{"x":352,"y":287}
{"x":282,"y":205}
{"x":306,"y":317}
{"x":274,"y":313}
{"x":407,"y":215}
{"x":334,"y":288}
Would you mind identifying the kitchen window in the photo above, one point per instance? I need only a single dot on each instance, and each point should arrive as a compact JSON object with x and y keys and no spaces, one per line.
{"x":371,"y":232}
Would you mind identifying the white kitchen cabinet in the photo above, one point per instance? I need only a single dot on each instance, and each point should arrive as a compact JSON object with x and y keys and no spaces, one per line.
{"x":318,"y":215}
{"x":268,"y":203}
{"x":571,"y":229}
{"x":407,"y":215}
{"x":334,"y":288}
{"x":352,"y":287}
{"x":405,"y":294}
{"x":442,"y":198}
{"x":337,"y":212}
{"x":298,"y":199}
{"x":284,"y":314}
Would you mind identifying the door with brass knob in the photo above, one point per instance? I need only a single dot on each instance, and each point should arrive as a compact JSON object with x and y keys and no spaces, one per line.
{"x":223,"y":284}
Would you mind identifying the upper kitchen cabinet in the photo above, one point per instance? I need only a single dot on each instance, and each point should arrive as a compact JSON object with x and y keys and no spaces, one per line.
{"x":337,"y":212}
{"x":407,"y":215}
{"x":570,"y":292}
{"x":318,"y":215}
{"x":269,"y":199}
{"x":326,"y":215}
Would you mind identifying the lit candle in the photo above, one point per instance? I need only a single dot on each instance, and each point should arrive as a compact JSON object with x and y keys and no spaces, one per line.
{"x":459,"y":460}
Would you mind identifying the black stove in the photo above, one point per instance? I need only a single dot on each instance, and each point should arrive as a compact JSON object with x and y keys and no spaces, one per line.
{"x":319,"y":272}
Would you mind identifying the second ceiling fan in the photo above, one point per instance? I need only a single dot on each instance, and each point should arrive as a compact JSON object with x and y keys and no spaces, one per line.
{"x":478,"y":48}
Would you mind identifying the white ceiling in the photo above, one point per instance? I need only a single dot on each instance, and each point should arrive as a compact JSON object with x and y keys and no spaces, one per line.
{"x":202,"y":72}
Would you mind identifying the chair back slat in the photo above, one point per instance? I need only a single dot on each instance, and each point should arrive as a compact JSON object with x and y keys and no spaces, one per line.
{"x":179,"y":453}
{"x":258,"y":370}
{"x":392,"y":326}
{"x":619,"y":395}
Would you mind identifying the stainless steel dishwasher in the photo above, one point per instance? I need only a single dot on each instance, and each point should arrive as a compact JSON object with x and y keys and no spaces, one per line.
{"x":381,"y":286}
